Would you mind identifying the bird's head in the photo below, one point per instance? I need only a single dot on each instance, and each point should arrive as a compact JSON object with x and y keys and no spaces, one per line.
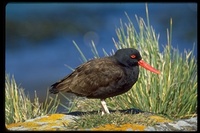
{"x":131,"y":57}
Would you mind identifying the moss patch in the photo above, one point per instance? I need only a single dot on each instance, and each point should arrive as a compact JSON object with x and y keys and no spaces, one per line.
{"x":51,"y":117}
{"x":50,"y":122}
{"x":159,"y":119}
{"x":116,"y":121}
{"x":124,"y":127}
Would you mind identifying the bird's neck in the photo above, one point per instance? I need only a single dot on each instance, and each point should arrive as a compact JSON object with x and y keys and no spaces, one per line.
{"x":132,"y":73}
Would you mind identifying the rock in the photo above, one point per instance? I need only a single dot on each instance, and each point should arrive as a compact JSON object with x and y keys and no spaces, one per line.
{"x":59,"y":122}
{"x":180,"y":125}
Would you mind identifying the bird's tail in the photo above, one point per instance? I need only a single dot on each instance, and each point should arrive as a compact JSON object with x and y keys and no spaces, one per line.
{"x":54,"y":89}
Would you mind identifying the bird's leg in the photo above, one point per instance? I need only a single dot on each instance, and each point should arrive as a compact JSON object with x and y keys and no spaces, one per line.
{"x":105,"y":108}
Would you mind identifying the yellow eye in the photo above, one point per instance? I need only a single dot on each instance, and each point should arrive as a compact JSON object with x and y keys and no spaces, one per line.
{"x":133,"y":56}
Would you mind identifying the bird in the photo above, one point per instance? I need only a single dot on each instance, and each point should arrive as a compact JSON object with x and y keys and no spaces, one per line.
{"x":104,"y":77}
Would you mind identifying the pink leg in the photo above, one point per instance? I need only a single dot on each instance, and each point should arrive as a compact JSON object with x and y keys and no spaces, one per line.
{"x":105,"y":108}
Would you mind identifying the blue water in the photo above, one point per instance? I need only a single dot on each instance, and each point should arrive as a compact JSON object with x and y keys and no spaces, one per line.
{"x":36,"y":67}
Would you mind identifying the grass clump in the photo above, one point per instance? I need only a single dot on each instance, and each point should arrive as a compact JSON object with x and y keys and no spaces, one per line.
{"x":96,"y":120}
{"x":19,"y":107}
{"x":173,"y":92}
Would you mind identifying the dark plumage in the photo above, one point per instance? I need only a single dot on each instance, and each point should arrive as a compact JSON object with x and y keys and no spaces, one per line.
{"x":104,"y":77}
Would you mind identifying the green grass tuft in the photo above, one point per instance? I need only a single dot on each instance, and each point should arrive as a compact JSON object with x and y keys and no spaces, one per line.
{"x":19,"y":107}
{"x":173,"y":92}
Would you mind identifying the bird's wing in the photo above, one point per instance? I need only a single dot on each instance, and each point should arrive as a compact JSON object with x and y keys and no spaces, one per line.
{"x":89,"y":76}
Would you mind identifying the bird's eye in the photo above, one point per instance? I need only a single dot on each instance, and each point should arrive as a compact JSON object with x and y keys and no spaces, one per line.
{"x":133,"y":56}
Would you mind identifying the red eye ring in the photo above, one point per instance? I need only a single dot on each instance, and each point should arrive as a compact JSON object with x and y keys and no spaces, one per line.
{"x":133,"y":56}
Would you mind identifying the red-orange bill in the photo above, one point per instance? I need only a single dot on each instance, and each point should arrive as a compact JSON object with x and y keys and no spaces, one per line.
{"x":148,"y":67}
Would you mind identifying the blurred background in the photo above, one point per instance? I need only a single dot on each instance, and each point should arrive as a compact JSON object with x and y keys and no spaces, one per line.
{"x":39,"y":35}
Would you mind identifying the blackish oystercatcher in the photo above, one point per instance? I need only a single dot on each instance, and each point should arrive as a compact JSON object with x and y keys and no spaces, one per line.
{"x":104,"y":77}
